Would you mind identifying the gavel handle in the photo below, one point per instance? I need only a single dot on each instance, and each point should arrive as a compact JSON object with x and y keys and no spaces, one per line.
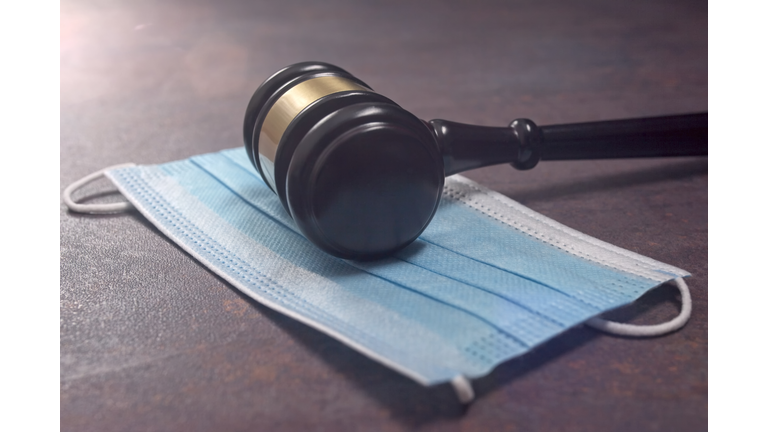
{"x":523,"y":144}
{"x":677,"y":135}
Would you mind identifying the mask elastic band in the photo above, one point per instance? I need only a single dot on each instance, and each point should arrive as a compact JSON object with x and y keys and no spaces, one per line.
{"x":649,"y":330}
{"x":463,"y":389}
{"x":94,"y":208}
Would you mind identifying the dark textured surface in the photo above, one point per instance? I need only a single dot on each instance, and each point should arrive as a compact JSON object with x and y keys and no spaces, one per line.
{"x":151,"y":340}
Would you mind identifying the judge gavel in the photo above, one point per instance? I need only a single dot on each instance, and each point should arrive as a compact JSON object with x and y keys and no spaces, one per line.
{"x":362,"y":177}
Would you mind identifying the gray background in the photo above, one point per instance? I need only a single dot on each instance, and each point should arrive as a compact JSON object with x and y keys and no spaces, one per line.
{"x":151,"y":340}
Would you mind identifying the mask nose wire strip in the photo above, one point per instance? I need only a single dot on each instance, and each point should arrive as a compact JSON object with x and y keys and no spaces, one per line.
{"x":649,"y":330}
{"x":94,"y":208}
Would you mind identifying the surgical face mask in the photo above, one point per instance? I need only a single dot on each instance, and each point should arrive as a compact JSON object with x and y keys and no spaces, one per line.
{"x":488,"y":280}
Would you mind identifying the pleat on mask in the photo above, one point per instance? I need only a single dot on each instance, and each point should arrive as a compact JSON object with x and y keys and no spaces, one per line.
{"x":487,"y":280}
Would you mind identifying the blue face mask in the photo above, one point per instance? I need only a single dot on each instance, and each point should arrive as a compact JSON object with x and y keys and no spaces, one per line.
{"x":487,"y":280}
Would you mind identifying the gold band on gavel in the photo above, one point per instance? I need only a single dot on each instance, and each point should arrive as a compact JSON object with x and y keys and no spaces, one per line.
{"x":287,"y":107}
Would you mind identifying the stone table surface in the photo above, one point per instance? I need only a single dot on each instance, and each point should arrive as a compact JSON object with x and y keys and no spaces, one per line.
{"x":152,"y":340}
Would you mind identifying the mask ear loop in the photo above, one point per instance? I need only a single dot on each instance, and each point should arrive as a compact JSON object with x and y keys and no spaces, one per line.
{"x":463,"y":388}
{"x":649,"y":330}
{"x":94,"y":208}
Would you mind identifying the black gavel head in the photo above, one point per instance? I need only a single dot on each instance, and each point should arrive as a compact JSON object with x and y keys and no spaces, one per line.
{"x":360,"y":176}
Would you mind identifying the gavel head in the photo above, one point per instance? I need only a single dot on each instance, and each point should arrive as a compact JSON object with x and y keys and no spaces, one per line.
{"x":359,"y":175}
